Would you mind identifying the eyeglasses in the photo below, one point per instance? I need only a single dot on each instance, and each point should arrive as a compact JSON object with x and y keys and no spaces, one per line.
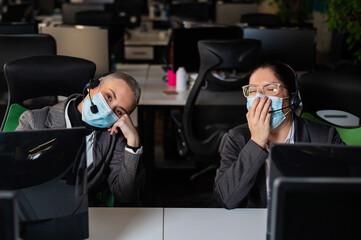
{"x":269,"y":89}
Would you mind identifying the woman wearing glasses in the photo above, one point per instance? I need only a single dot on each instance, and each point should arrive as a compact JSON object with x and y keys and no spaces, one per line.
{"x":272,"y":99}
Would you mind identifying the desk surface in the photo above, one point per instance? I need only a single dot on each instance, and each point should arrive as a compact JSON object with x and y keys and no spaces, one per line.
{"x":148,"y":38}
{"x":177,"y":223}
{"x":125,"y":223}
{"x":153,"y":87}
{"x":214,"y":223}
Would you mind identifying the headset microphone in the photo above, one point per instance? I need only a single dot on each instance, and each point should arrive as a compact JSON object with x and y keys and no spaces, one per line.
{"x":92,"y":84}
{"x":279,"y":109}
{"x":93,"y":107}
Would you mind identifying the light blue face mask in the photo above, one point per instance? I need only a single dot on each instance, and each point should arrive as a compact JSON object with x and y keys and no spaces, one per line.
{"x":104,"y":118}
{"x":276,"y":103}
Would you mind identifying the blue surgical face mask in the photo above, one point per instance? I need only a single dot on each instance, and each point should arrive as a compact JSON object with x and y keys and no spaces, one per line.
{"x":276,"y":103}
{"x":104,"y":118}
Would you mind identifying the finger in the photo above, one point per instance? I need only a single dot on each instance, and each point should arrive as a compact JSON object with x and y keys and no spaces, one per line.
{"x":265,"y":110}
{"x":253,"y":107}
{"x":259,"y":107}
{"x":268,"y":116}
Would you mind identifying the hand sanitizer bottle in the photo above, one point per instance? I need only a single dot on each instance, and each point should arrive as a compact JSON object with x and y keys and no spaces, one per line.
{"x":182,"y":78}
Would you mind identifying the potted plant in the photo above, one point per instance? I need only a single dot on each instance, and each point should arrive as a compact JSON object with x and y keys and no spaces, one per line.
{"x":294,"y":11}
{"x":344,"y":17}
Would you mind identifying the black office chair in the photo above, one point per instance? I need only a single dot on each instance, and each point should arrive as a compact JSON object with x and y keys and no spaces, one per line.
{"x":261,"y":19}
{"x":348,"y":66}
{"x":201,"y":128}
{"x":51,"y":75}
{"x":332,"y":90}
{"x":15,"y":46}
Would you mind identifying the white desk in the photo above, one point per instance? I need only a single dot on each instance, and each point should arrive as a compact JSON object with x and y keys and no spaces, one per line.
{"x":177,"y":223}
{"x":152,"y":85}
{"x":153,"y":90}
{"x":214,"y":223}
{"x":125,"y":223}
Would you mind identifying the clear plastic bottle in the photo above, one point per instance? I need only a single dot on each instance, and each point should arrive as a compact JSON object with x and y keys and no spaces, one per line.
{"x":182,"y":77}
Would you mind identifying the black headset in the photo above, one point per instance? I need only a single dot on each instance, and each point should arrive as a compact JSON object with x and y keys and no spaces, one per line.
{"x":94,"y":82}
{"x":294,"y":98}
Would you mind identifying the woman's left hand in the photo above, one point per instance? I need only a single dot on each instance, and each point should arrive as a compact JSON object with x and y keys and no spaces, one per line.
{"x":125,"y":125}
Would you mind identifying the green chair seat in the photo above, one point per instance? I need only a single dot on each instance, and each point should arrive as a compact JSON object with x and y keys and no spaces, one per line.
{"x":351,"y":136}
{"x":12,"y":119}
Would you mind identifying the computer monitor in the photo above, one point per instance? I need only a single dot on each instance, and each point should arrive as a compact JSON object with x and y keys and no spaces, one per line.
{"x":316,"y":208}
{"x":193,"y":11}
{"x":185,"y":43}
{"x":69,"y":10}
{"x":48,"y":174}
{"x":294,"y":46}
{"x":18,"y":28}
{"x":8,"y":221}
{"x":311,"y":160}
{"x":92,"y":1}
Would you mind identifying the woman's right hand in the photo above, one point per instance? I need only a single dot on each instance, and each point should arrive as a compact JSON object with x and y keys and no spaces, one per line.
{"x":259,"y":118}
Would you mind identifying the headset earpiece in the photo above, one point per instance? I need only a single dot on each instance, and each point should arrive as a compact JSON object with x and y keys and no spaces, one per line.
{"x":294,"y":98}
{"x":94,"y":82}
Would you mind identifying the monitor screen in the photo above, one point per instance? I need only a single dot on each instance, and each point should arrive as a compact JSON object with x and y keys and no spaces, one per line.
{"x":17,"y":28}
{"x":92,"y":1}
{"x":316,"y":208}
{"x":311,"y":160}
{"x":294,"y":46}
{"x":69,"y":10}
{"x":193,"y":11}
{"x":185,"y":43}
{"x":48,"y":174}
{"x":8,"y":223}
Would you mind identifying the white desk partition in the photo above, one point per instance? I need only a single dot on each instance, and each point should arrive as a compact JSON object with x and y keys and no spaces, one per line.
{"x":84,"y":42}
{"x":214,"y":223}
{"x":125,"y":223}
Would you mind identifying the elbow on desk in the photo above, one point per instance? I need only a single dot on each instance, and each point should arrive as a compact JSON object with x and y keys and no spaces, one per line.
{"x":221,"y":199}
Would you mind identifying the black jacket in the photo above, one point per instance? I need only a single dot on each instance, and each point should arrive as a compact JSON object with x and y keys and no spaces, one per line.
{"x":241,"y":177}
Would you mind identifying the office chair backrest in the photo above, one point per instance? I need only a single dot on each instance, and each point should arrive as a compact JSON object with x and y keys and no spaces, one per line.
{"x":51,"y":75}
{"x":38,"y":76}
{"x":348,"y":66}
{"x":240,"y":54}
{"x":332,"y":90}
{"x":15,"y":46}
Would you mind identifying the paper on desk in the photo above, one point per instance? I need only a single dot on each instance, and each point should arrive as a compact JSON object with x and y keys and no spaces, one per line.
{"x":170,"y":92}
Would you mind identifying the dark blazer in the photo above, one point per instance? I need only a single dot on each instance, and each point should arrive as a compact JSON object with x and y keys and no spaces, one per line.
{"x":111,"y":162}
{"x":241,"y":179}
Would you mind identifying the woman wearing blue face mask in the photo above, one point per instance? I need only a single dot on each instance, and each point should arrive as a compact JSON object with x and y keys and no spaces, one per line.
{"x":112,"y":145}
{"x":272,"y":99}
